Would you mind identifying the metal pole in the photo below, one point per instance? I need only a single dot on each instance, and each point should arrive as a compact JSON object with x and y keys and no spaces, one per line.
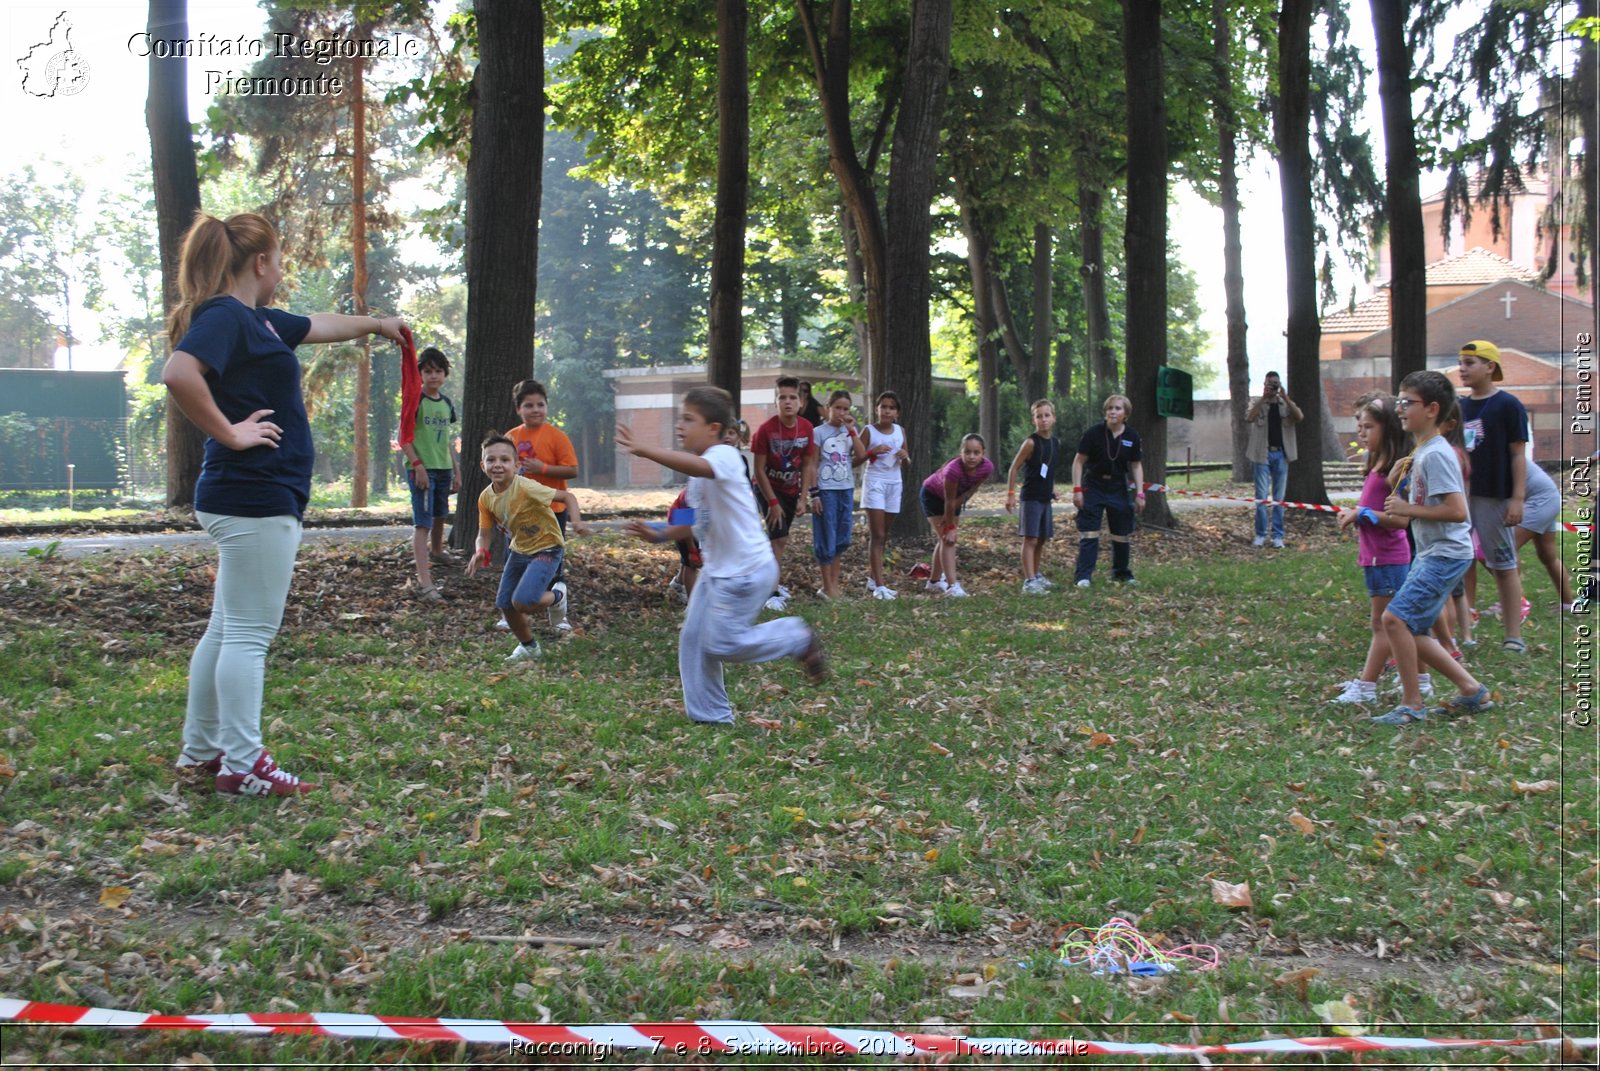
{"x":70,"y":468}
{"x":1188,"y":463}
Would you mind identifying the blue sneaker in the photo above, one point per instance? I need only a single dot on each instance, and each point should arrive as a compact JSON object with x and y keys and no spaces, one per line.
{"x":1401,"y":715}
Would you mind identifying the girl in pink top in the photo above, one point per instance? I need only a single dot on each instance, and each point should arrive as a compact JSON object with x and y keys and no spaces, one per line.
{"x":943,"y":495}
{"x":1382,"y":549}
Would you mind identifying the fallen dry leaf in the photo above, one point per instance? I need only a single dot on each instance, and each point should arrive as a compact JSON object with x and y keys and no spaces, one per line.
{"x":1302,"y":823}
{"x":1230,"y":895}
{"x":114,"y":896}
{"x":727,"y":941}
{"x":1534,"y":788}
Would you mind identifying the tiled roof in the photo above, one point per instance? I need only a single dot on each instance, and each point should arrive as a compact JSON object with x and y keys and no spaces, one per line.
{"x":1476,"y":267}
{"x":1369,"y":316}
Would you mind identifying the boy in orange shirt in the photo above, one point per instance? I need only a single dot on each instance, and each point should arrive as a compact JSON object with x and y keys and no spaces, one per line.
{"x":544,"y":455}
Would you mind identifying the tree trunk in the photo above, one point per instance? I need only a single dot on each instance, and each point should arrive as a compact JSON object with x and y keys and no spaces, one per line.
{"x":358,"y":289}
{"x":383,"y":418}
{"x":1100,"y":370}
{"x":1291,"y":130}
{"x":1146,"y":236}
{"x":502,"y":251}
{"x":1408,"y":287}
{"x":983,"y":327}
{"x":177,"y":192}
{"x":725,"y":348}
{"x":1063,"y":370}
{"x":831,"y":69}
{"x":1043,"y":321}
{"x":1232,"y":249}
{"x":855,"y":286}
{"x":908,"y":354}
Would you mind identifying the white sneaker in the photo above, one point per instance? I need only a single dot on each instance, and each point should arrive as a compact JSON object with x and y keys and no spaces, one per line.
{"x":778,"y":603}
{"x":783,"y":591}
{"x":1083,"y":583}
{"x":1425,"y":685}
{"x":1358,"y":691}
{"x":679,"y":592}
{"x":1044,"y":582}
{"x":525,"y":652}
{"x":1031,"y":586}
{"x":937,"y":587}
{"x":881,"y":592}
{"x":558,"y":610}
{"x":502,"y":625}
{"x":955,"y":591}
{"x":1277,"y":544}
{"x":1259,"y":541}
{"x":872,"y":585}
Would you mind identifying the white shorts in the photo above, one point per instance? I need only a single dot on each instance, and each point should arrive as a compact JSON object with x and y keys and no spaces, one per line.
{"x":880,"y":493}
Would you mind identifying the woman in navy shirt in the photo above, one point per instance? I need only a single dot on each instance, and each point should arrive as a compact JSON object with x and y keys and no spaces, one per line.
{"x":234,"y":373}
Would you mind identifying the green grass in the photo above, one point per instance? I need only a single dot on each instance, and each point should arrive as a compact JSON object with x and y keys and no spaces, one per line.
{"x":976,"y":775}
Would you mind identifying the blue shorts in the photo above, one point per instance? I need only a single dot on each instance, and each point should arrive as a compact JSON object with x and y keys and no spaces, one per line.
{"x":1384,"y":580}
{"x":830,"y":529}
{"x":527,"y":577}
{"x":1036,"y":520}
{"x":1426,"y":590}
{"x":434,"y":503}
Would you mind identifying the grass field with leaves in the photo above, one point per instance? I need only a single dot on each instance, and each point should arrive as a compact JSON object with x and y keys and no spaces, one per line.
{"x":902,"y":849}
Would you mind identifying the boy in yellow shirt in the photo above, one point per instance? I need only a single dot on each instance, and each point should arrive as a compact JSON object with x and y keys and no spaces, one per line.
{"x":520,"y":509}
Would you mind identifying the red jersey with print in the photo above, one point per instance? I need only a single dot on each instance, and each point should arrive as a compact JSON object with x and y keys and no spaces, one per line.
{"x":786,"y":450}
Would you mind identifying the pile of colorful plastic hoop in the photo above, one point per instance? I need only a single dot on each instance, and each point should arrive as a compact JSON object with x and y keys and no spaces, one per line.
{"x":1119,"y":948}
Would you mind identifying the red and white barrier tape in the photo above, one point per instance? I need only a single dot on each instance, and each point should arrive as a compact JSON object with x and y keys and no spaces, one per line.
{"x":1165,"y":489}
{"x":704,"y":1038}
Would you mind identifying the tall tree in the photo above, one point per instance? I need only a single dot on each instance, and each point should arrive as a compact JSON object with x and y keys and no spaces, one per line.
{"x":725,"y":344}
{"x":1238,"y":361}
{"x":908,"y":362}
{"x":1408,"y":287}
{"x":1146,"y":236}
{"x":361,"y":462}
{"x":502,"y":255}
{"x":177,"y":186}
{"x":1291,"y":123}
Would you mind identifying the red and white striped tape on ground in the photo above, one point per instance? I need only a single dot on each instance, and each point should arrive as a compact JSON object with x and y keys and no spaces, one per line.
{"x":1318,"y":507}
{"x":706,"y":1038}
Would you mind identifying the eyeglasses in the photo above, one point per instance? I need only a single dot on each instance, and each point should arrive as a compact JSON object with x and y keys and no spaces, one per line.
{"x":1403,"y":404}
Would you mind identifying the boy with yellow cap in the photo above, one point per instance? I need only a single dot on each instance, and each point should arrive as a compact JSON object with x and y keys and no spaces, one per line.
{"x":1494,"y":427}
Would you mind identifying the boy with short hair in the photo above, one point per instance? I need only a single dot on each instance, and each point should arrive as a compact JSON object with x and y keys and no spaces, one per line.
{"x":521,"y":510}
{"x":1036,"y":460}
{"x":1494,"y":429}
{"x":545,"y":455}
{"x":433,"y":472}
{"x":786,"y":464}
{"x":839,"y":450}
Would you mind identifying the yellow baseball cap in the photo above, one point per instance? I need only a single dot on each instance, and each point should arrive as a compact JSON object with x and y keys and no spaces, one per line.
{"x":1485,"y":351}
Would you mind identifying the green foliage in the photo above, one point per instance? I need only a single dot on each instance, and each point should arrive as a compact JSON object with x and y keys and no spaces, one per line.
{"x":49,"y":260}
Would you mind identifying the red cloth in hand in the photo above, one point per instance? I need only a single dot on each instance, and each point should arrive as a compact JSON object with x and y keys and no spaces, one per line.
{"x":410,"y":387}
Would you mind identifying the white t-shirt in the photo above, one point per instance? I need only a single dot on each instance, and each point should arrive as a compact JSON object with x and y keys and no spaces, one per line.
{"x":1435,"y":473}
{"x":885,"y":466}
{"x":732,"y":541}
{"x":834,"y":450}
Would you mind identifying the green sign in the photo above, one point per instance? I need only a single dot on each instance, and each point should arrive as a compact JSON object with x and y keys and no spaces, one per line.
{"x":1174,"y":393}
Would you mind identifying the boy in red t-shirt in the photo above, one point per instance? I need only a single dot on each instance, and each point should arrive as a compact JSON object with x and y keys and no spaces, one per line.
{"x":544,"y":455}
{"x":786,"y":464}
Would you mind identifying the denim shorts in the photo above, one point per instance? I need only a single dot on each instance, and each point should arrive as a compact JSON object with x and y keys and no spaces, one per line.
{"x":1036,"y":520}
{"x":434,"y":503}
{"x":1423,"y":595}
{"x":527,"y":577}
{"x":1384,"y":580}
{"x":830,"y":529}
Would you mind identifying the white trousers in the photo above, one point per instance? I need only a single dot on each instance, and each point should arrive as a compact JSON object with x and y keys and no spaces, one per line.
{"x":255,"y":561}
{"x":719,"y":627}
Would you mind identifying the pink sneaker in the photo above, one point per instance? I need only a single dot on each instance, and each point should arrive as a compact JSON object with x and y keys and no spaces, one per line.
{"x":264,"y":779}
{"x":1527,"y":608}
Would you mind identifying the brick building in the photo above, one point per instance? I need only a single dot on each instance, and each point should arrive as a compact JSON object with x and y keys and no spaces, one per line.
{"x":1476,"y":294}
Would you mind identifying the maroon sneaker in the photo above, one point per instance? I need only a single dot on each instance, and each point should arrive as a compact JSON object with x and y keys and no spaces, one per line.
{"x":264,"y":779}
